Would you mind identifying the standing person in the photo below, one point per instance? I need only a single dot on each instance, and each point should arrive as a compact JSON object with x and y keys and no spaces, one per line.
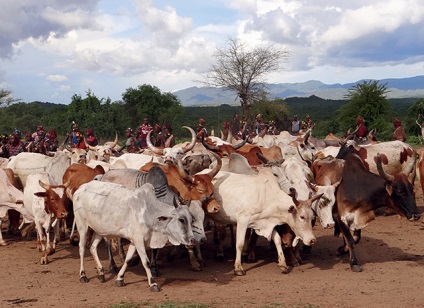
{"x":90,"y":138}
{"x":73,"y":134}
{"x":399,"y":133}
{"x":361,"y":131}
{"x":201,"y":129}
{"x":160,"y":136}
{"x":15,"y":145}
{"x":259,"y":124}
{"x":142,"y":132}
{"x":295,"y":126}
{"x":4,"y":150}
{"x":131,"y":143}
{"x":169,"y":136}
{"x":308,"y":121}
{"x":29,"y":143}
{"x":80,"y":144}
{"x":285,"y":123}
{"x":235,"y":125}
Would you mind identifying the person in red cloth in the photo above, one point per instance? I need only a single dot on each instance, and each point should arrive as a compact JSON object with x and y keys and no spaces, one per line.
{"x":90,"y":138}
{"x":362,"y":130}
{"x":399,"y":133}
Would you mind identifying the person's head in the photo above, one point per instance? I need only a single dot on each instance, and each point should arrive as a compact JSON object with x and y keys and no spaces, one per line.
{"x":28,"y":137}
{"x":74,"y":126}
{"x":89,"y":131}
{"x":258,"y":117}
{"x":157,"y":128}
{"x":201,"y":122}
{"x":41,"y":134}
{"x":13,"y":139}
{"x":146,"y":121}
{"x":129,"y":132}
{"x":235,"y":117}
{"x":168,"y":129}
{"x":359,"y":120}
{"x":397,"y":122}
{"x":295,"y":117}
{"x":4,"y":138}
{"x":79,"y":137}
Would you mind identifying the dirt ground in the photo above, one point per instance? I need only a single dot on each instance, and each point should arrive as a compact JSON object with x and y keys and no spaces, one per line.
{"x":391,"y":253}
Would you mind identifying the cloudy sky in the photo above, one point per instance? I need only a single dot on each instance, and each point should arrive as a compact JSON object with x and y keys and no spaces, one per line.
{"x":53,"y":49}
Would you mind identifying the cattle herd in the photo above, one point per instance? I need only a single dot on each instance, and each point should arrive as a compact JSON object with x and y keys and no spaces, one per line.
{"x":276,"y":186}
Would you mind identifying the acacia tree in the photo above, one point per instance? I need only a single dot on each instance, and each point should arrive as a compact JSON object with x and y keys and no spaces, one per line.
{"x":242,"y":70}
{"x":6,"y":98}
{"x":366,"y":99}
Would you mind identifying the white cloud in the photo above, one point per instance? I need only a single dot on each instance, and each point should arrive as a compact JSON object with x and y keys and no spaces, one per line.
{"x":56,"y":78}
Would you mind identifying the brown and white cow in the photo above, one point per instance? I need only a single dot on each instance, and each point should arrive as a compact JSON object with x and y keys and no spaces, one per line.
{"x":46,"y":204}
{"x":360,"y":193}
{"x":191,"y":187}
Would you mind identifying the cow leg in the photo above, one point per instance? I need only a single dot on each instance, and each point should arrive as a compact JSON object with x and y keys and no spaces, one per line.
{"x":357,"y":236}
{"x":14,"y":217}
{"x":93,"y":249}
{"x":251,"y":256}
{"x":221,"y":232}
{"x":281,"y":259}
{"x":350,"y":242}
{"x":120,"y":278}
{"x":240,"y":237}
{"x":112,"y":265}
{"x":195,"y":265}
{"x":154,"y":264}
{"x":199,"y":256}
{"x":121,"y":250}
{"x":82,"y":239}
{"x":41,"y":243}
{"x":2,"y":242}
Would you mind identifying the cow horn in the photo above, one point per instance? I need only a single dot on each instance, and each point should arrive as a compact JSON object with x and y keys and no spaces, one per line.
{"x":208,"y":146}
{"x":151,"y":146}
{"x":192,"y":142}
{"x":312,"y":186}
{"x":262,"y":158}
{"x":222,"y":134}
{"x":68,"y":147}
{"x":292,"y":194}
{"x":45,"y":186}
{"x":238,"y":146}
{"x":264,"y":131}
{"x":229,"y":136}
{"x":306,"y":136}
{"x":182,"y":173}
{"x":115,"y":142}
{"x":63,"y":145}
{"x":316,"y":197}
{"x":218,"y":165}
{"x":384,"y":175}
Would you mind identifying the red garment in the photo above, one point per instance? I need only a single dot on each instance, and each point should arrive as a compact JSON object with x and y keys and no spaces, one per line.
{"x":80,"y":145}
{"x":362,"y":131}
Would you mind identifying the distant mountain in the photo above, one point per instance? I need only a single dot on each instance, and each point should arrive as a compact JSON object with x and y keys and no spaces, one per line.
{"x":203,"y":96}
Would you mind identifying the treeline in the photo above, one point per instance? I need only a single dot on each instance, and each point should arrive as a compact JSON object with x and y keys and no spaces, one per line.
{"x":107,"y":117}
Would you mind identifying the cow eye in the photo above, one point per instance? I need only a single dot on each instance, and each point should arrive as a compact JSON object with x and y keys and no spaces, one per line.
{"x":182,"y":220}
{"x":302,"y":217}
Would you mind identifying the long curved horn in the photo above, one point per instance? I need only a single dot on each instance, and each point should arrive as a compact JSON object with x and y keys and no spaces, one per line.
{"x":63,"y":145}
{"x":151,"y":146}
{"x":68,"y":147}
{"x":262,"y":158}
{"x":115,"y":142}
{"x":92,"y":148}
{"x":229,"y":136}
{"x":306,"y":136}
{"x":218,"y":166}
{"x":45,"y":186}
{"x":192,"y":142}
{"x":384,"y":175}
{"x":293,"y":195}
{"x":264,"y":131}
{"x":208,"y":146}
{"x":238,"y":146}
{"x":182,"y":172}
{"x":222,"y":134}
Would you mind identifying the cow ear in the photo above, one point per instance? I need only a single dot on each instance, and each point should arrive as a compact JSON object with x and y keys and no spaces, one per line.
{"x":292,"y":209}
{"x":389,"y":189}
{"x":40,"y":194}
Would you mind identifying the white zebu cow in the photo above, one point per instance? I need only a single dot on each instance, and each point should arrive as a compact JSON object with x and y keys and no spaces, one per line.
{"x":45,"y":203}
{"x":170,"y":155}
{"x":11,"y":198}
{"x":257,"y":202}
{"x":26,"y":163}
{"x":113,"y":210}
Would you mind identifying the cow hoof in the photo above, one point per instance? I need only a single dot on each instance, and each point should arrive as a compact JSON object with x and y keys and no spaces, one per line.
{"x":43,"y":261}
{"x":287,"y":270}
{"x":120,"y":283}
{"x":84,"y":279}
{"x":101,"y":278}
{"x":155,"y":288}
{"x":356,"y":268}
{"x":239,"y":272}
{"x":196,"y":268}
{"x":2,"y":243}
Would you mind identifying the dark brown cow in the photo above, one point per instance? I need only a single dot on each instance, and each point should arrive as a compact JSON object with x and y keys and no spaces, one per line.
{"x":191,"y":187}
{"x":360,"y":193}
